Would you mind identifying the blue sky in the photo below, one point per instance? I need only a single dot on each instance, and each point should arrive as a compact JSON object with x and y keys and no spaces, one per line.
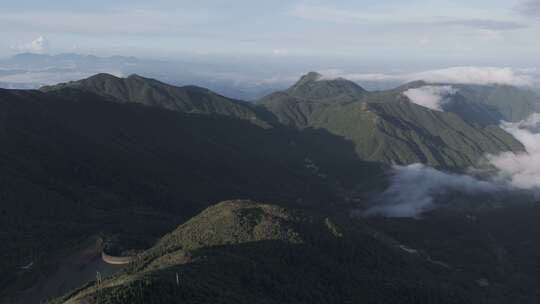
{"x":432,"y":33}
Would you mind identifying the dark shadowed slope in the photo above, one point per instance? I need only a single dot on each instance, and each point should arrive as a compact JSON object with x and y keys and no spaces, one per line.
{"x":77,"y":164}
{"x":246,"y":252}
{"x":495,"y":247}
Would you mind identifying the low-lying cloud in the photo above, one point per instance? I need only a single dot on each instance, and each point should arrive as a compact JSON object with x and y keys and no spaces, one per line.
{"x":38,"y":46}
{"x":413,"y":188}
{"x":521,"y":170}
{"x":452,"y":75}
{"x":432,"y":97}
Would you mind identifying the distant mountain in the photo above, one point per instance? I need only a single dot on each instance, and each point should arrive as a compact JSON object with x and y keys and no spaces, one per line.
{"x":385,"y":126}
{"x":313,"y":86}
{"x":507,"y":102}
{"x":31,"y":71}
{"x":486,"y":103}
{"x":246,"y":252}
{"x":33,"y":61}
{"x":295,"y":106}
{"x":150,"y":92}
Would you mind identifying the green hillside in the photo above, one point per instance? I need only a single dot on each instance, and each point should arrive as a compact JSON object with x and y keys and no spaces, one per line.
{"x":392,"y":133}
{"x":309,"y":96}
{"x":246,"y":252}
{"x":404,"y":133}
{"x":487,"y":104}
{"x":386,"y":127}
{"x":150,"y":92}
{"x":508,"y":102}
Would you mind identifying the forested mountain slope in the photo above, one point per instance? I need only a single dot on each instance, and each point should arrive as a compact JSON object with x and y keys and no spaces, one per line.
{"x":387,"y":127}
{"x":247,"y":252}
{"x":137,"y":89}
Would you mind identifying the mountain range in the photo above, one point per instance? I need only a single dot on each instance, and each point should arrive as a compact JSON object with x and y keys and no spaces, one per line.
{"x":387,"y":127}
{"x":136,"y":157}
{"x":383,"y":126}
{"x":149,"y":92}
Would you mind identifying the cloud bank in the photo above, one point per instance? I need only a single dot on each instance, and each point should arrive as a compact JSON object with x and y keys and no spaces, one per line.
{"x":412,"y":190}
{"x":39,"y":46}
{"x":521,"y":170}
{"x":432,"y":97}
{"x":452,"y":75}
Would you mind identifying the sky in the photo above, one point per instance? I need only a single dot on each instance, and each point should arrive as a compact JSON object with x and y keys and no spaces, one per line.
{"x":397,"y":33}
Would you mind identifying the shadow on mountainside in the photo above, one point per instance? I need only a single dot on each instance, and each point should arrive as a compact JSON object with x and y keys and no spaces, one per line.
{"x":77,"y":165}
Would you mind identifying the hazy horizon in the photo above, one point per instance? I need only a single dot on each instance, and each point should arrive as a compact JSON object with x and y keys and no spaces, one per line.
{"x":378,"y":44}
{"x":418,"y":33}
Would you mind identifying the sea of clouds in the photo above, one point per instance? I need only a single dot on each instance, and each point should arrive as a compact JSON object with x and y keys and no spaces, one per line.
{"x":521,"y":170}
{"x":432,"y":97}
{"x":478,"y":75}
{"x":413,"y":188}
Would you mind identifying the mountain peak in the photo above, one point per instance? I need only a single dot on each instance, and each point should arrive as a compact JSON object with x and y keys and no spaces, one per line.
{"x":314,"y":87}
{"x":136,"y":76}
{"x":102,"y":76}
{"x":312,"y":76}
{"x":93,"y":83}
{"x":308,"y":78}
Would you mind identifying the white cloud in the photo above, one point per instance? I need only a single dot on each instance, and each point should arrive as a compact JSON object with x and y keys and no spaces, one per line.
{"x":412,"y":190}
{"x":432,"y":97}
{"x":521,"y":170}
{"x":477,"y":75}
{"x":40,"y":46}
{"x":452,"y":75}
{"x":280,"y":52}
{"x":425,"y":40}
{"x":281,"y":80}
